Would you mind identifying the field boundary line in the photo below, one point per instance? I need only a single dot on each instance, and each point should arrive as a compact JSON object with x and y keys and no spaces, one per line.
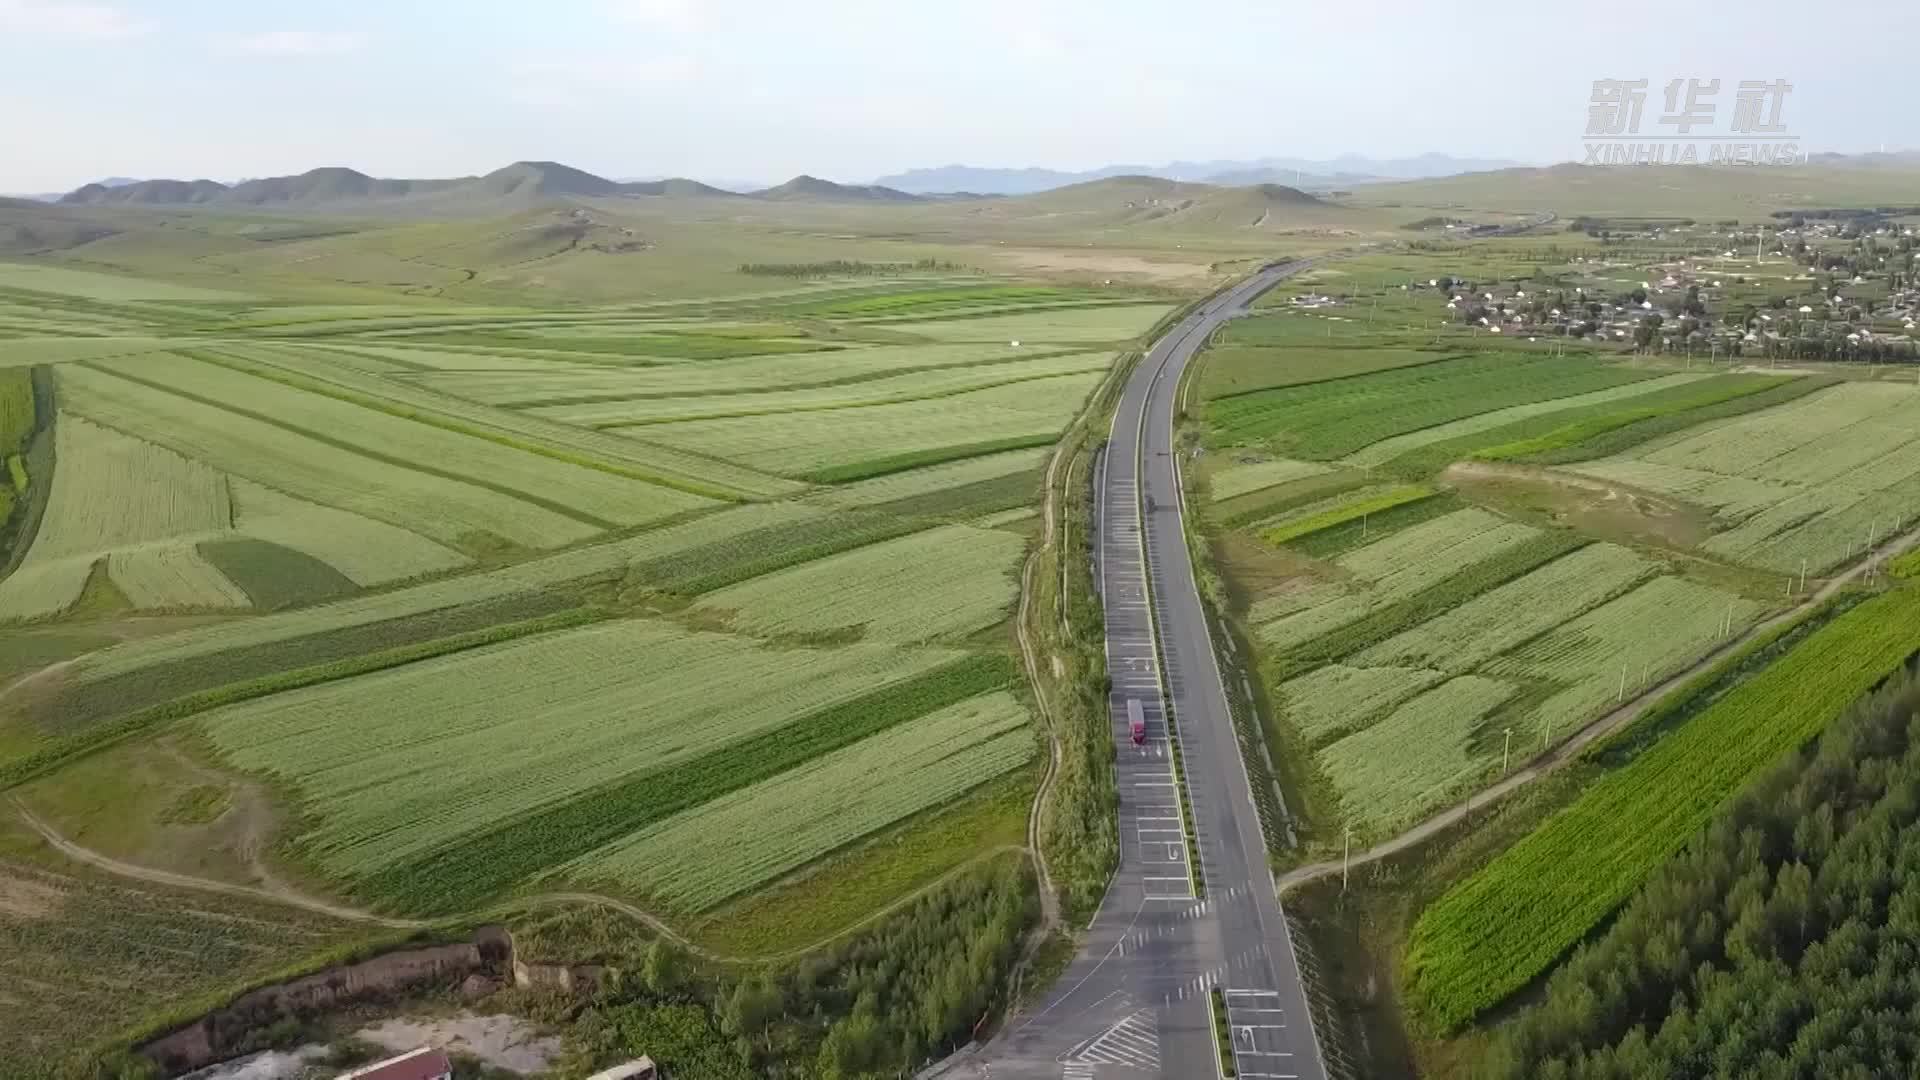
{"x":111,"y":865}
{"x":289,"y":898}
{"x":1606,"y":724}
{"x":666,"y":929}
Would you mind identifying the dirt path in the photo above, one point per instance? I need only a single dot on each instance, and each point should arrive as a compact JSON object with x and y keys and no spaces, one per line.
{"x":1598,"y":729}
{"x":183,"y":881}
{"x":32,"y":677}
{"x":659,"y":926}
{"x":253,"y":818}
{"x":281,"y":894}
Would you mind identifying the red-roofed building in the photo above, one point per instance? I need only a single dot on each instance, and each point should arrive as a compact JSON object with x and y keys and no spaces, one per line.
{"x":425,"y":1063}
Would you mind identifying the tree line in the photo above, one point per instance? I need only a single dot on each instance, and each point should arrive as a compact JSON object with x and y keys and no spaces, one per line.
{"x":1785,"y":942}
{"x":880,"y":1004}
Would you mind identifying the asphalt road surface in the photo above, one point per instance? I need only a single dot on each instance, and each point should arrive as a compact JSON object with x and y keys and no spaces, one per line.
{"x":1134,"y":1000}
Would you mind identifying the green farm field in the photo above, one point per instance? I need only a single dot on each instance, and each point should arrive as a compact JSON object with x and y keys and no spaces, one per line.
{"x":1457,"y":554}
{"x":647,"y":562}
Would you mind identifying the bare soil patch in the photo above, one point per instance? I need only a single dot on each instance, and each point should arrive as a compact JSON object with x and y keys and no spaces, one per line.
{"x":23,"y":899}
{"x":1599,"y":507}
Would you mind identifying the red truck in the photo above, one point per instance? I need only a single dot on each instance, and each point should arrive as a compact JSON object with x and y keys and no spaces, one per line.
{"x":1137,"y":721}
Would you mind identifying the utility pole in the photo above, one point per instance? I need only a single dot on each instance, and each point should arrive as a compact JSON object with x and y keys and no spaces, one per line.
{"x":1346,"y":860}
{"x":1623,"y":684}
{"x":1506,"y":754}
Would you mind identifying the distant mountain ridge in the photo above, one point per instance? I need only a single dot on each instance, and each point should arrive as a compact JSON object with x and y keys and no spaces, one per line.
{"x":812,"y":188}
{"x":1345,"y":170}
{"x":520,"y":182}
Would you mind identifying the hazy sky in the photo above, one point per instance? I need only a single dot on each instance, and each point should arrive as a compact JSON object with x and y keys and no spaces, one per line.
{"x":850,"y":89}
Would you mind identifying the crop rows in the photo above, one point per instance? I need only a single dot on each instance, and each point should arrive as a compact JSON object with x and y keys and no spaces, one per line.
{"x":912,"y":483}
{"x":606,"y":561}
{"x":1806,"y":485}
{"x":172,"y":576}
{"x":347,"y":377}
{"x":1387,"y":571}
{"x":1228,"y":481}
{"x":1053,"y":325}
{"x":1345,"y":509}
{"x":555,"y":382}
{"x":82,"y":958}
{"x":1595,"y":427}
{"x":1627,"y":644}
{"x":1327,"y":420}
{"x":496,"y":732}
{"x":704,"y":856}
{"x":934,"y":584}
{"x":366,"y":551}
{"x":1466,"y":636}
{"x":487,"y":861}
{"x":812,"y":443}
{"x":587,"y":494}
{"x":1494,"y":932}
{"x":1408,"y":761}
{"x":1336,"y":700}
{"x":111,"y":492}
{"x":443,"y":508}
{"x":1388,"y":449}
{"x":626,"y":415}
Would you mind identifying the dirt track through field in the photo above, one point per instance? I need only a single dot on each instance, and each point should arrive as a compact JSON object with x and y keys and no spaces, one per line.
{"x":184,"y":881}
{"x":284,"y":895}
{"x":1598,"y":729}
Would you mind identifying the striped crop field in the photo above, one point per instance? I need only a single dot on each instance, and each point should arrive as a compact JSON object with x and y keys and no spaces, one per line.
{"x":703,"y":856}
{"x":1387,"y":449}
{"x":847,"y":444}
{"x":487,"y":598}
{"x":172,"y":576}
{"x":1467,"y":636}
{"x":1352,"y":507}
{"x":1061,"y":325}
{"x":1629,"y":643}
{"x":333,"y":372}
{"x":496,"y":732}
{"x":522,"y":382}
{"x":117,"y":494}
{"x":1228,"y":481}
{"x":608,"y":560}
{"x":934,"y":584}
{"x":1413,"y":758}
{"x":86,"y":284}
{"x":892,"y":389}
{"x":1324,"y":421}
{"x":936,"y":478}
{"x":587,"y":495}
{"x":441,"y":508}
{"x":1496,"y":931}
{"x":1384,"y":571}
{"x":368,"y":552}
{"x":1804,"y":485}
{"x":1338,"y":699}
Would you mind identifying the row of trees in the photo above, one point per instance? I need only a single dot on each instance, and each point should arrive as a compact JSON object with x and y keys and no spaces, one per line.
{"x":1785,"y":942}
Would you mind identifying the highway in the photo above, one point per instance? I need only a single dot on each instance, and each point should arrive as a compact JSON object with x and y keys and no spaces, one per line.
{"x":1134,"y":1000}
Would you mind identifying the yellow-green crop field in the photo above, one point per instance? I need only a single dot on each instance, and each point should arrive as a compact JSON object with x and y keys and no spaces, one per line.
{"x":496,"y":600}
